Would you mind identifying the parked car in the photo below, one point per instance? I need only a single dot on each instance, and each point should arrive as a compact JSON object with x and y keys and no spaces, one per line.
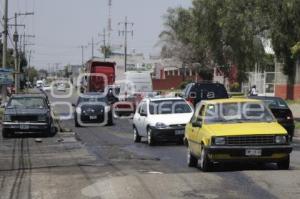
{"x":161,"y":119}
{"x":196,"y":92}
{"x":281,"y":111}
{"x":61,"y":87}
{"x":92,"y":108}
{"x":235,"y":130}
{"x":126,"y":107}
{"x":27,"y":113}
{"x":46,"y":88}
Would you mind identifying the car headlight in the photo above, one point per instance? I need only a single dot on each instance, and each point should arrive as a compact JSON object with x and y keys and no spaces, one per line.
{"x":160,"y":125}
{"x":7,"y":118}
{"x":280,"y":139}
{"x":42,"y":118}
{"x":219,"y":141}
{"x":78,"y":110}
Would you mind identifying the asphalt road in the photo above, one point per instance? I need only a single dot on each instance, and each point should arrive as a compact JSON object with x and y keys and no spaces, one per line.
{"x":103,"y":162}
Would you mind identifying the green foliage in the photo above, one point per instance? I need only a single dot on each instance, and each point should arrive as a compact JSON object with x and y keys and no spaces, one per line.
{"x":32,"y":73}
{"x":296,"y":50}
{"x":221,"y":33}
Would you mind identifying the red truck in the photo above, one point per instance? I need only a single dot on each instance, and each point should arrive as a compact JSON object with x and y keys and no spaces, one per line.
{"x":99,"y":70}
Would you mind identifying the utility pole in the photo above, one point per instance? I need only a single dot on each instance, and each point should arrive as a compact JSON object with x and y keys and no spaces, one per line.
{"x":92,"y":44}
{"x":104,"y":43}
{"x":5,"y":33}
{"x":82,"y":54}
{"x":4,"y":46}
{"x":17,"y":69}
{"x":25,"y":41}
{"x":16,"y":39}
{"x":124,"y":32}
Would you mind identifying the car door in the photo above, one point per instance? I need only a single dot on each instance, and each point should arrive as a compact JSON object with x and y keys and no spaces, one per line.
{"x":143,"y":119}
{"x":195,"y":130}
{"x":137,"y":118}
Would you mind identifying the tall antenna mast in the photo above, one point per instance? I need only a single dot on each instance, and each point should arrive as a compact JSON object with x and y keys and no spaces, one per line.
{"x":109,"y":27}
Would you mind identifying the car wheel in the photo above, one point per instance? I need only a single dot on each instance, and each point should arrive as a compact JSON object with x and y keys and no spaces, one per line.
{"x":136,"y":136}
{"x":284,"y":164}
{"x":150,"y":139}
{"x":51,"y":131}
{"x":6,"y":133}
{"x":205,"y":163}
{"x":192,"y":161}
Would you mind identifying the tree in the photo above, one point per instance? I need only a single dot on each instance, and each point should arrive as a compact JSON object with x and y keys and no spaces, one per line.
{"x":32,"y":73}
{"x":224,"y":33}
{"x":10,"y":57}
{"x":284,"y":32}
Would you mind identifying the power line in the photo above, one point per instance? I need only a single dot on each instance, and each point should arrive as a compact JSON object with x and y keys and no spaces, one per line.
{"x":124,"y":32}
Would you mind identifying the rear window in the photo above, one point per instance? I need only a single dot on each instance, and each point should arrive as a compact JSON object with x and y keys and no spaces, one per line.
{"x":169,"y":107}
{"x":209,"y":91}
{"x":91,"y":99}
{"x":27,"y":103}
{"x":276,"y":103}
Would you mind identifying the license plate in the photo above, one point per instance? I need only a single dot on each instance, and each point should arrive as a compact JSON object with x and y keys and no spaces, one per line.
{"x":93,"y":117}
{"x":179,"y":132}
{"x":253,"y":152}
{"x":24,"y":126}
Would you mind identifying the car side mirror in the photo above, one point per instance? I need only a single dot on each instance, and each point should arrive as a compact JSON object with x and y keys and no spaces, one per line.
{"x":197,"y":123}
{"x":73,"y":105}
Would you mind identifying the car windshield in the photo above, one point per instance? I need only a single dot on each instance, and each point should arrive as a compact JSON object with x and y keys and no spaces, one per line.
{"x":91,"y":99}
{"x":27,"y":102}
{"x":276,"y":103}
{"x":237,"y":112}
{"x":169,"y":107}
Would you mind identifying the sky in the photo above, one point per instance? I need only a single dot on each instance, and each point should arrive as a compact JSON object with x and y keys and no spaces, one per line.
{"x":62,"y":26}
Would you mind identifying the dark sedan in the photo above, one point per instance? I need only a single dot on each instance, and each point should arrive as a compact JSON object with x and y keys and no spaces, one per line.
{"x":281,"y":111}
{"x":92,"y":109}
{"x":27,"y":113}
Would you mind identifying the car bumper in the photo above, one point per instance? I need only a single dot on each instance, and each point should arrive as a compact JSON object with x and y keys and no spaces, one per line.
{"x":122,"y":112}
{"x":168,"y":134}
{"x":238,"y":153}
{"x":26,"y":127}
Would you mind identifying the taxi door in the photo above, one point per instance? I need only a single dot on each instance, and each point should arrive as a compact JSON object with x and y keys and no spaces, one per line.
{"x":194,"y":131}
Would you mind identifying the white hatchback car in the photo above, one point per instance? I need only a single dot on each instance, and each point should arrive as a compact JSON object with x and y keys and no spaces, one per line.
{"x":161,"y":119}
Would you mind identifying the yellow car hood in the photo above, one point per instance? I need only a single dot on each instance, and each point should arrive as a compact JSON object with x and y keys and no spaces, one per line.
{"x":245,"y":129}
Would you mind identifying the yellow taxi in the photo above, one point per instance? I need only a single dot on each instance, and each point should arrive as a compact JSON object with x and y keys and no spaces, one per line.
{"x":235,"y":130}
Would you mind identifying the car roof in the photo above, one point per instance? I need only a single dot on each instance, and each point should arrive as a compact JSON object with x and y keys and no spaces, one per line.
{"x":161,"y":98}
{"x":27,"y":95}
{"x":230,"y":100}
{"x":92,"y":94}
{"x":264,"y":97}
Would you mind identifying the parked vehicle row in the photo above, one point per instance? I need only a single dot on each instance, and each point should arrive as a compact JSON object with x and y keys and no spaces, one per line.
{"x":214,"y":127}
{"x":217,"y":128}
